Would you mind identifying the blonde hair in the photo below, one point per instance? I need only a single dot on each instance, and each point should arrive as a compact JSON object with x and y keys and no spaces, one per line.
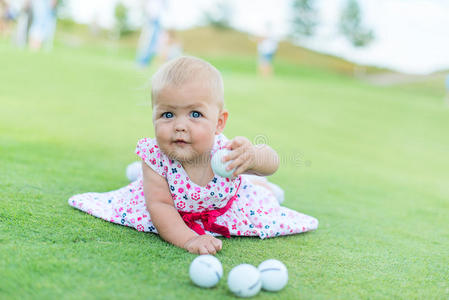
{"x":184,"y":69}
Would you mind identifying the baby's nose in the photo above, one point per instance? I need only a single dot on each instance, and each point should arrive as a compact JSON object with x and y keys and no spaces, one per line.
{"x":180,"y":125}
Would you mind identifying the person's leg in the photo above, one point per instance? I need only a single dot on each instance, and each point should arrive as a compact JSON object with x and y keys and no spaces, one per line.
{"x":37,"y":33}
{"x":50,"y":33}
{"x":144,"y":42}
{"x":265,"y":67}
{"x":268,"y":70}
{"x":21,"y":31}
{"x":269,"y":63}
{"x":154,"y":42}
{"x":148,"y":43}
{"x":35,"y":43}
{"x":262,"y":63}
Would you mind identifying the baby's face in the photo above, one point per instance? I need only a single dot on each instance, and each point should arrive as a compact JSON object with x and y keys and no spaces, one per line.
{"x":186,"y":119}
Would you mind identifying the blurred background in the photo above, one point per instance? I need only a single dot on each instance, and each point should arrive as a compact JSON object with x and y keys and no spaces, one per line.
{"x":391,"y":38}
{"x":335,"y":64}
{"x":105,"y":51}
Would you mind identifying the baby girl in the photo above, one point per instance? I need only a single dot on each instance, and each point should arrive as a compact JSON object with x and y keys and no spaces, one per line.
{"x":178,"y":195}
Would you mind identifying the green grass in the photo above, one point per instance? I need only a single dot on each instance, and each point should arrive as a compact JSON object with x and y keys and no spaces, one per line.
{"x":370,"y":163}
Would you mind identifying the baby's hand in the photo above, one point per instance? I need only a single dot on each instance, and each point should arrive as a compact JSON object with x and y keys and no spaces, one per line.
{"x":203,"y":244}
{"x":243,"y":155}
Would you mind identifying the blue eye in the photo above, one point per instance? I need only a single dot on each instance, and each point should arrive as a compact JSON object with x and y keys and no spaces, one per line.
{"x":195,"y":114}
{"x":167,"y":115}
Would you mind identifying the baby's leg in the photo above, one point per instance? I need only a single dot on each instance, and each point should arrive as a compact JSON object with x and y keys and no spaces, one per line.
{"x":274,"y":188}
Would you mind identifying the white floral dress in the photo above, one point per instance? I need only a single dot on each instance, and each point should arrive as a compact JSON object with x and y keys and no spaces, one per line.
{"x":222,"y":207}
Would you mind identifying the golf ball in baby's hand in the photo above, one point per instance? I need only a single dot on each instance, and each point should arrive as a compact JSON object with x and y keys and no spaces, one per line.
{"x":205,"y":271}
{"x":274,"y":275}
{"x":218,"y":166}
{"x":244,"y":280}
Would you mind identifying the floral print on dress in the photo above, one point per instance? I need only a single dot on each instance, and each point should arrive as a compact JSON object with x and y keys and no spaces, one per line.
{"x":254,"y":212}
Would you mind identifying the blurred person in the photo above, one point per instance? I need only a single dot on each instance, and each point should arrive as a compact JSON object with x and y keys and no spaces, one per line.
{"x":48,"y":43}
{"x":4,"y":18}
{"x":43,"y":24}
{"x":151,"y":31}
{"x":3,"y":13}
{"x":171,"y":46}
{"x":266,"y":48}
{"x":179,"y":196}
{"x":94,"y":25}
{"x":23,"y":24}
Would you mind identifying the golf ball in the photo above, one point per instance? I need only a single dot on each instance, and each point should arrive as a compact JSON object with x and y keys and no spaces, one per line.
{"x":218,"y":166}
{"x":205,"y":271}
{"x":274,"y":275}
{"x":134,"y":170}
{"x":244,"y":280}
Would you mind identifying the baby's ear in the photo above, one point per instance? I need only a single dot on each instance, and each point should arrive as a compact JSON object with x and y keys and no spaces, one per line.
{"x":221,"y":123}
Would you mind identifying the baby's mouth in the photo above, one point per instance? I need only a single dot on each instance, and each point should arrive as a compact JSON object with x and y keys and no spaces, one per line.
{"x":180,"y":142}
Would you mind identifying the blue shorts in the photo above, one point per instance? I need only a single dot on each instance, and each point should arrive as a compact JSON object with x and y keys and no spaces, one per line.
{"x":266,"y":57}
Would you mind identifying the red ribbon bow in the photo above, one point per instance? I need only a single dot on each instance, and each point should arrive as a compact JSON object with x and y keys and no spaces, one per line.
{"x":208,"y":218}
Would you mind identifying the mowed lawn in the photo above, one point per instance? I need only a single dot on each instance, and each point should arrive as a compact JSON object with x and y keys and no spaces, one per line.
{"x":370,"y":163}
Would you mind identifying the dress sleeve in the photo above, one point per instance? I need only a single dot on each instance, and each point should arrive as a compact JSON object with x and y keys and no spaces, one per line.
{"x":221,"y":140}
{"x":148,"y":150}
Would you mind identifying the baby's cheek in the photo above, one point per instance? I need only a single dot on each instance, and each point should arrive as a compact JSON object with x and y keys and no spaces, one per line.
{"x":207,"y":138}
{"x":162,"y":132}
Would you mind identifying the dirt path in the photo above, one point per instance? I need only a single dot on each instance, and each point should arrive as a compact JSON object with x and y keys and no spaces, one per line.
{"x":385,"y":79}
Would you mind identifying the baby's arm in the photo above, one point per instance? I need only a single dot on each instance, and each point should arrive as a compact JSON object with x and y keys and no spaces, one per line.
{"x":247,"y":158}
{"x":167,"y":220}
